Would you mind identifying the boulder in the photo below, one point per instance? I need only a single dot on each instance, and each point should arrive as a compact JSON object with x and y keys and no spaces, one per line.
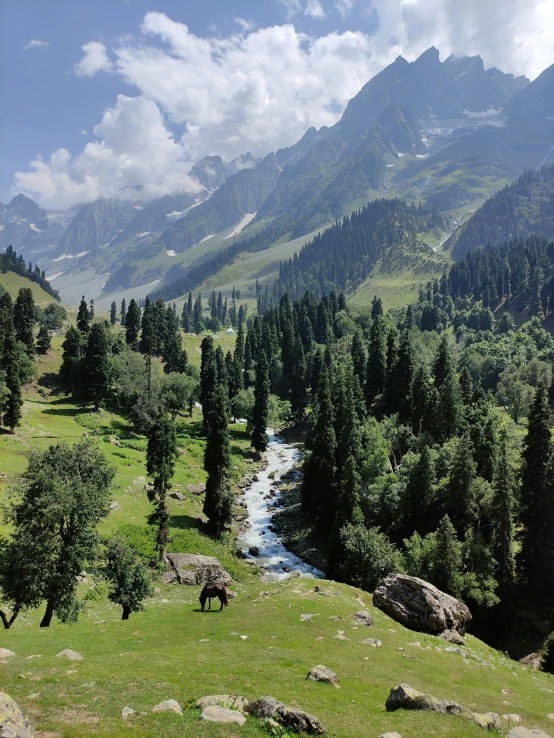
{"x":168,"y":577}
{"x":196,"y":489}
{"x":254,"y":551}
{"x":195,"y":569}
{"x":127,"y":712}
{"x":114,"y":506}
{"x":512,"y":717}
{"x":67,"y":653}
{"x":452,"y":636}
{"x":418,"y":605}
{"x":390,"y":735}
{"x":288,"y":717}
{"x":408,"y":698}
{"x":533,"y":661}
{"x":229,"y":701}
{"x":520,"y":732}
{"x":322,"y":673}
{"x":177,"y":496}
{"x":375,"y":642}
{"x":5,"y":653}
{"x":217,"y":714}
{"x":13,"y":723}
{"x":168,"y":706}
{"x":362,"y":617}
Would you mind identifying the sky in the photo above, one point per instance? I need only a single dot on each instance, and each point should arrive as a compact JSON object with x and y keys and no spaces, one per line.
{"x":117,"y":96}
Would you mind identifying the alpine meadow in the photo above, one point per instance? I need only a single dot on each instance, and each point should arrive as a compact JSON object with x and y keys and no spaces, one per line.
{"x":277,"y":369}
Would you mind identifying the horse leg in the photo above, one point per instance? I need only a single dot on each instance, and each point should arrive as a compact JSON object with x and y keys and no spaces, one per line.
{"x":209,"y":603}
{"x":221,"y":608}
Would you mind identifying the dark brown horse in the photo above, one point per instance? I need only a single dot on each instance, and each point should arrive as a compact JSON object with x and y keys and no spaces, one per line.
{"x":214,"y":590}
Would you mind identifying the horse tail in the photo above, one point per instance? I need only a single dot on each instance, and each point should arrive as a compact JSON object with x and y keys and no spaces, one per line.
{"x":225,"y":598}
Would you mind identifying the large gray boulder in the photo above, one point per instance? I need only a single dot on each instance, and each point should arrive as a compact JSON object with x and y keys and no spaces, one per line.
{"x":288,"y":717}
{"x":533,"y":661}
{"x":418,"y":605}
{"x":408,"y":698}
{"x":195,"y":569}
{"x":13,"y":723}
{"x":521,"y":732}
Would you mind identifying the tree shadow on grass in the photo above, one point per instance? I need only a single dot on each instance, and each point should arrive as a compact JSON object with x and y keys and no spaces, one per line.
{"x":69,"y":412}
{"x":185,"y":522}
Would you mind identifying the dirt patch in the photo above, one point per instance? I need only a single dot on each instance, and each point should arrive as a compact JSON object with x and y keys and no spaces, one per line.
{"x":78,"y":716}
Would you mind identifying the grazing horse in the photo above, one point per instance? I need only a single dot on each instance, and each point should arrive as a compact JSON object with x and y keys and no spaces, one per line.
{"x":214,"y":590}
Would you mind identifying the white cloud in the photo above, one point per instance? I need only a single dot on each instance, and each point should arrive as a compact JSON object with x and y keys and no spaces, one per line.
{"x":36,"y":44}
{"x":133,"y":149}
{"x":313,"y":8}
{"x":344,"y":7}
{"x":245,"y":25}
{"x":82,"y":131}
{"x":95,"y":60}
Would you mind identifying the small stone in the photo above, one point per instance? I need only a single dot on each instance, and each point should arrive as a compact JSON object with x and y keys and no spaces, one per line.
{"x":254,"y":551}
{"x":390,"y":735}
{"x":229,"y":701}
{"x":127,"y":712}
{"x":89,"y":684}
{"x":5,"y":653}
{"x":67,"y":653}
{"x":452,"y":636}
{"x":375,"y":642}
{"x":114,"y":506}
{"x":512,"y":717}
{"x":362,"y":617}
{"x":178,"y":496}
{"x":168,"y":706}
{"x":217,"y":714}
{"x":34,"y":696}
{"x":243,"y":638}
{"x":322,"y":673}
{"x":307,"y":617}
{"x":340,"y":637}
{"x":550,"y":716}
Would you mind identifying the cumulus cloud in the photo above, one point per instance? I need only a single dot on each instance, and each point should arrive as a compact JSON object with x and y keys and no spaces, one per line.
{"x":95,"y":59}
{"x":35,"y":44}
{"x":133,"y":153}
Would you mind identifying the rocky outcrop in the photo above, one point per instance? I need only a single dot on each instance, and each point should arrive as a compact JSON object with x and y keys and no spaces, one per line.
{"x":195,"y":569}
{"x":532,"y":660}
{"x":408,"y":698}
{"x":288,"y":717}
{"x":13,"y":723}
{"x":418,"y":605}
{"x":322,"y":673}
{"x":452,"y":636}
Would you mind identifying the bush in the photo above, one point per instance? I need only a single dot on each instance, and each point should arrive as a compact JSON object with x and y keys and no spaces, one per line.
{"x":548,"y":654}
{"x":368,"y":556}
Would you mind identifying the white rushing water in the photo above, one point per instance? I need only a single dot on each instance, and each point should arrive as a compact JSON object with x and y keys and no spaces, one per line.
{"x":273,"y":557}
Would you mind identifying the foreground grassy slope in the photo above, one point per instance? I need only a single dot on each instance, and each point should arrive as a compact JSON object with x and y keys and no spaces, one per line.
{"x":173,"y":651}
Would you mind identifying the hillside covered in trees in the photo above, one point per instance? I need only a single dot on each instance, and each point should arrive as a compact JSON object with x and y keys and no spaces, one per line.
{"x":11,"y":262}
{"x":524,"y":207}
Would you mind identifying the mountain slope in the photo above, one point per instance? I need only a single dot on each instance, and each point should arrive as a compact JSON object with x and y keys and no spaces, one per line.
{"x":522,"y":208}
{"x":95,"y":224}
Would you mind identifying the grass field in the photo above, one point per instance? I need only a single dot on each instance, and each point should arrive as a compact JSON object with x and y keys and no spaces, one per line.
{"x":173,"y":651}
{"x":12,"y":283}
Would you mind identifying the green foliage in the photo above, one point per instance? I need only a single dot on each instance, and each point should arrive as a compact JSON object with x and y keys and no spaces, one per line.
{"x":547,"y":653}
{"x":368,"y":556}
{"x":160,"y":464}
{"x":129,"y":580}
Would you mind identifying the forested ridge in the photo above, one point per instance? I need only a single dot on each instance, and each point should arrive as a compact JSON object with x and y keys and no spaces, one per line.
{"x":11,"y":262}
{"x":524,"y":207}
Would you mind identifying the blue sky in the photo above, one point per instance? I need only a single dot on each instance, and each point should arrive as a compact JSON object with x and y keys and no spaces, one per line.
{"x":168,"y":81}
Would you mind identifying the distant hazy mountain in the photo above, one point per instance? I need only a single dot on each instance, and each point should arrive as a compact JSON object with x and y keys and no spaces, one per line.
{"x":95,"y":224}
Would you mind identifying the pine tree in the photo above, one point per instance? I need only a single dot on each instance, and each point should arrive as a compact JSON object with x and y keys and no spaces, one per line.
{"x":461,"y":502}
{"x":128,"y":577}
{"x":348,"y":512}
{"x":10,"y":366}
{"x":83,"y":317}
{"x":502,"y":516}
{"x":96,"y":366}
{"x":91,"y":309}
{"x":444,"y":363}
{"x":421,"y":395}
{"x":24,"y":319}
{"x":536,"y":557}
{"x":43,"y":340}
{"x":450,"y":407}
{"x":123,"y":312}
{"x":417,"y":501}
{"x":161,"y":453}
{"x":261,"y":405}
{"x":132,"y":325}
{"x":208,"y":379}
{"x":299,"y":389}
{"x":399,"y":390}
{"x":218,"y":501}
{"x":319,"y":465}
{"x":376,"y":307}
{"x":376,"y":362}
{"x":359,"y":358}
{"x":73,"y":347}
{"x":113,"y":313}
{"x":149,"y":340}
{"x":448,"y":563}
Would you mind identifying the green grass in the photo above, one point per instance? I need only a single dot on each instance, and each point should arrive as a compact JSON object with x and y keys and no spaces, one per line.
{"x":12,"y":283}
{"x":171,"y":650}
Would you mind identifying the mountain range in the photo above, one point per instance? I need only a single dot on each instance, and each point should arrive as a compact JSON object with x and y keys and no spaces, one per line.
{"x":446,"y":135}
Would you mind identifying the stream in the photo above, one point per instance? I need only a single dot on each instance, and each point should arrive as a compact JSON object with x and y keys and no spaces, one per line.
{"x":276,"y":562}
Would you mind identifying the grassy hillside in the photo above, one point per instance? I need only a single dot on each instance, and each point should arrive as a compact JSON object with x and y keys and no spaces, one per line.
{"x":12,"y":283}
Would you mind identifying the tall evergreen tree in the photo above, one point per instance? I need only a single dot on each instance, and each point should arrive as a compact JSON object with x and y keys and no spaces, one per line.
{"x":536,"y":556}
{"x":448,"y":561}
{"x":11,"y":369}
{"x":208,"y":379}
{"x":299,"y":389}
{"x":72,"y":352}
{"x":24,"y":319}
{"x":113,"y":313}
{"x":83,"y":317}
{"x":399,"y":389}
{"x":96,"y":364}
{"x":502,"y":516}
{"x":218,"y":501}
{"x":123,"y":312}
{"x":261,"y":405}
{"x":161,"y":453}
{"x":461,"y":502}
{"x":376,"y":361}
{"x":43,"y":340}
{"x":132,"y":325}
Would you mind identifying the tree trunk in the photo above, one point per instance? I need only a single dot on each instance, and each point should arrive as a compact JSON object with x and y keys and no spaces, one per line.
{"x":47,"y":619}
{"x":126,"y":613}
{"x":8,"y":621}
{"x":163,"y":555}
